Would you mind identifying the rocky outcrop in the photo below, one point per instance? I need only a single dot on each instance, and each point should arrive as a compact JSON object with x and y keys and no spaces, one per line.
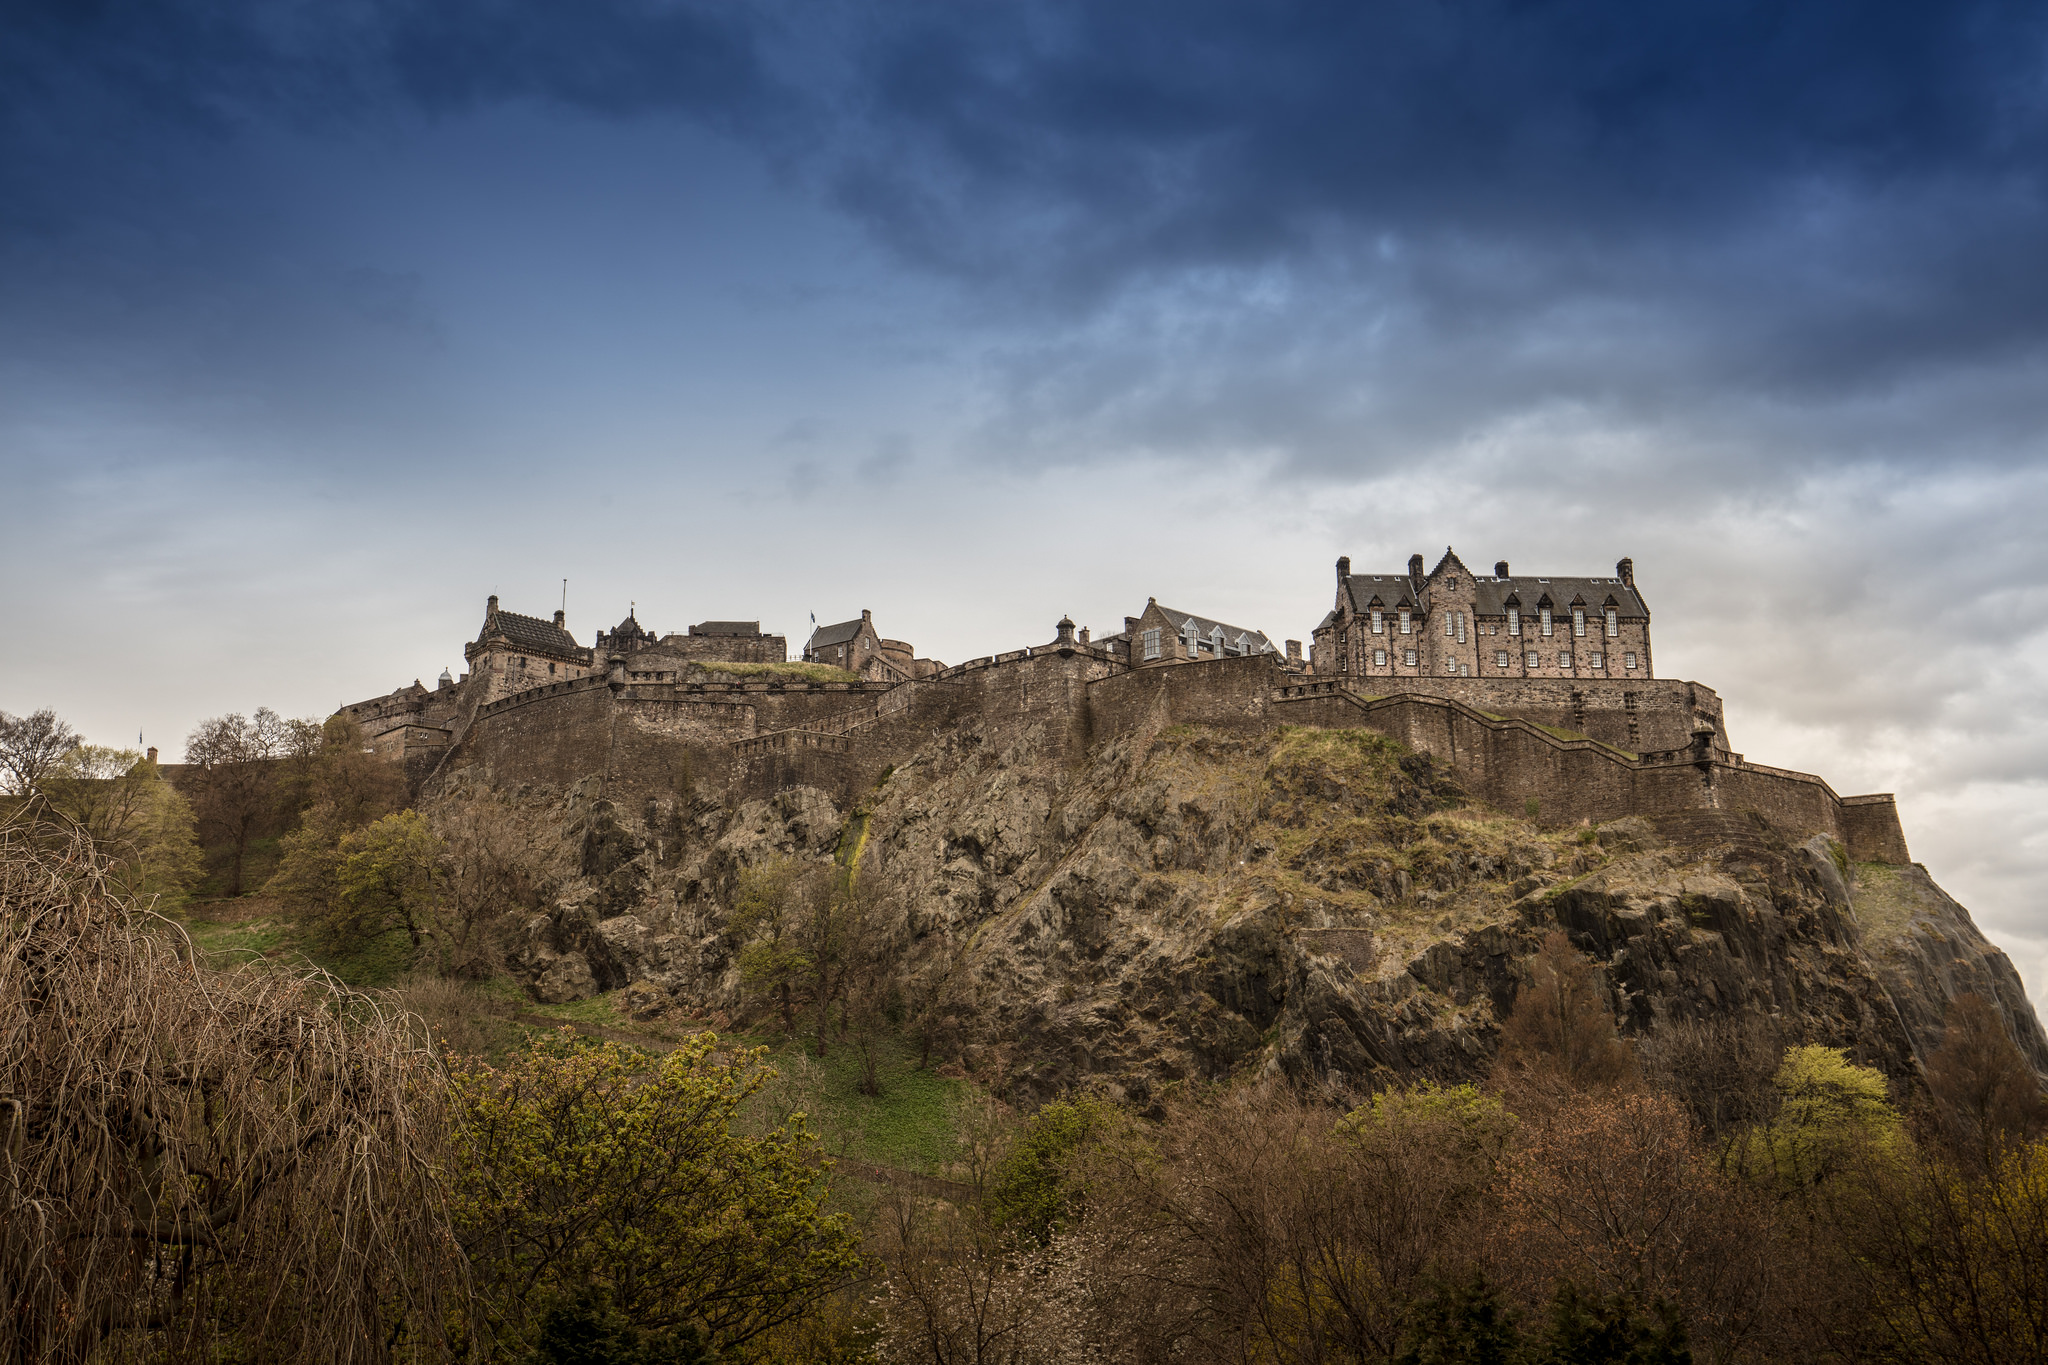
{"x":1318,"y":903}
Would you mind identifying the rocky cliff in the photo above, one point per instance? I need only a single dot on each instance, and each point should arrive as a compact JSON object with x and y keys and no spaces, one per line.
{"x":1323,"y":903}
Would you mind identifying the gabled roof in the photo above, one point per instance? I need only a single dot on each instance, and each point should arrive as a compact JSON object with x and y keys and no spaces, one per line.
{"x":1490,"y":595}
{"x":1256,"y":639}
{"x":843,"y":633}
{"x":1394,"y":590}
{"x":530,"y":632}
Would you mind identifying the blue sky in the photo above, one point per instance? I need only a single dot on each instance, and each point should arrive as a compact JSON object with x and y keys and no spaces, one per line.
{"x":319,"y":322}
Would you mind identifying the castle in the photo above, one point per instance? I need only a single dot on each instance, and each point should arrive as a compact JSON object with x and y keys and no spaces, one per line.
{"x":1537,"y":691}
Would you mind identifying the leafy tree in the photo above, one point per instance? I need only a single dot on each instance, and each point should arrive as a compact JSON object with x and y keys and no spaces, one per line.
{"x":768,"y":905}
{"x":388,"y":877}
{"x":1033,"y":1191}
{"x":31,"y":747}
{"x":591,"y":1176}
{"x":1831,"y":1111}
{"x":1610,"y":1330}
{"x":1462,"y":1324}
{"x":137,"y":821}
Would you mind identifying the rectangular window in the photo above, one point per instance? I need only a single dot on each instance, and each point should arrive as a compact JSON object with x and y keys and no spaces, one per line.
{"x":1578,"y":621}
{"x":1379,"y":622}
{"x":551,"y":668}
{"x":1379,"y":658}
{"x":1613,"y":623}
{"x":1564,"y":661}
{"x":1534,"y":660}
{"x":1514,"y":620}
{"x":1151,"y":644}
{"x":1410,"y":659}
{"x":1596,"y":660}
{"x":1543,"y":614}
{"x":1500,"y":659}
{"x":1461,"y":626}
{"x":1450,"y":624}
{"x":1407,"y":624}
{"x":1628,"y":660}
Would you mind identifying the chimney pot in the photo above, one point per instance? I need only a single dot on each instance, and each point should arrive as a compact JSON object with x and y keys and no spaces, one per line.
{"x":1500,"y":569}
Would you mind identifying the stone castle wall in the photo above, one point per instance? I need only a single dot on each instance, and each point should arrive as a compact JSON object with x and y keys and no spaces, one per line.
{"x":663,"y":742}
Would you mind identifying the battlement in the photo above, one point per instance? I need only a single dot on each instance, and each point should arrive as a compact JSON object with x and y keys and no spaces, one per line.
{"x":651,"y":713}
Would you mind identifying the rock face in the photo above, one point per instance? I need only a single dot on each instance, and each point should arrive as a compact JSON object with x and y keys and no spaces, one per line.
{"x":1321,"y":903}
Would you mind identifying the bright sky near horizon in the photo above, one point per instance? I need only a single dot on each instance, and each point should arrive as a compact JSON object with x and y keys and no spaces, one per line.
{"x":318,"y":323}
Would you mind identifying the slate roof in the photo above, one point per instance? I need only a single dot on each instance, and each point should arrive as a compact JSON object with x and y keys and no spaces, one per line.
{"x":840,"y":634}
{"x":1490,"y":595}
{"x":1256,"y":641}
{"x":530,"y":632}
{"x":1393,"y":589}
{"x":726,"y":628}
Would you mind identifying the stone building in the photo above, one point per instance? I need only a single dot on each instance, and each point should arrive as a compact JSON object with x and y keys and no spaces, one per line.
{"x":513,"y":652}
{"x":1162,"y":635}
{"x":1453,"y":623}
{"x":858,"y":648}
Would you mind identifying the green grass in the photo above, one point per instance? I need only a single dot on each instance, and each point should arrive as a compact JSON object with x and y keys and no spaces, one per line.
{"x":598,"y":1009}
{"x":910,"y":1125}
{"x":255,"y":928}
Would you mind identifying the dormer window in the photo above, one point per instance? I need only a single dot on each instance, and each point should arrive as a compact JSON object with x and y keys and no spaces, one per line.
{"x":1578,"y":620}
{"x":1407,"y":622}
{"x":1514,"y":620}
{"x":1379,"y":622}
{"x":1543,"y":616}
{"x":1191,"y":638}
{"x":1613,"y":623}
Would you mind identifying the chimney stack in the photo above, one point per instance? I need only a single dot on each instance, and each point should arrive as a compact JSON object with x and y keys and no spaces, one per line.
{"x":491,"y":605}
{"x":1084,"y":635}
{"x":559,"y":614}
{"x":1625,"y":570}
{"x":867,"y":616}
{"x":1294,"y":651}
{"x":1415,"y":571}
{"x":152,"y":755}
{"x":1343,"y":569}
{"x":1500,"y":568}
{"x":1130,"y":625}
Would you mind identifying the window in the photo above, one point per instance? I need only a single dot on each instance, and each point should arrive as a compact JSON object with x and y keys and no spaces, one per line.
{"x":1544,"y":614}
{"x":1379,"y":622}
{"x":1151,"y":644}
{"x":1514,"y":620}
{"x":1500,"y":659}
{"x":1578,"y":621}
{"x":1379,"y":658}
{"x":1409,"y":659}
{"x":1628,"y":660}
{"x":1596,"y":660}
{"x":1407,"y":624}
{"x":1535,"y":661}
{"x":1461,"y":625}
{"x":1191,"y":637}
{"x":1564,"y":661}
{"x":1613,"y":623}
{"x":551,"y":669}
{"x":1450,"y":624}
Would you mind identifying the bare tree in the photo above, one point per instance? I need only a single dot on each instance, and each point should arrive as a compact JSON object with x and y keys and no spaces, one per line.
{"x":1560,"y":1037}
{"x":235,"y":782}
{"x":1990,"y":1098}
{"x":201,"y":1164}
{"x":488,"y":871}
{"x":31,"y":747}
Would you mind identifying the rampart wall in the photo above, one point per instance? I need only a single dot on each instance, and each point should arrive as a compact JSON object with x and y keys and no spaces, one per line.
{"x":748,"y":740}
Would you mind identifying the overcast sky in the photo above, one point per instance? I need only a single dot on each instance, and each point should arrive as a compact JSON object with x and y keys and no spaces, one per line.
{"x":321,"y":321}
